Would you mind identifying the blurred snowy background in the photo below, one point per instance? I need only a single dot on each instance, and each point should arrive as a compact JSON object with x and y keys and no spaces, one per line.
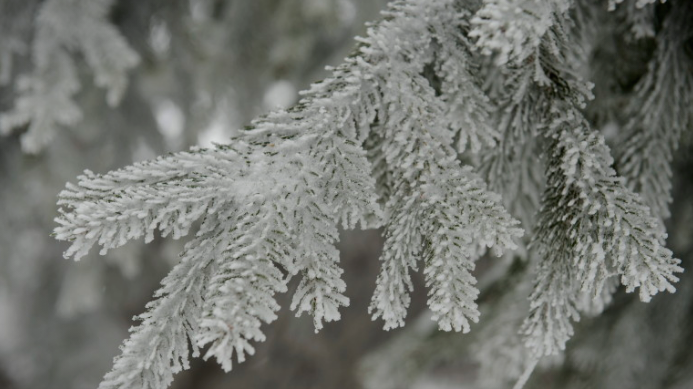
{"x":205,"y":67}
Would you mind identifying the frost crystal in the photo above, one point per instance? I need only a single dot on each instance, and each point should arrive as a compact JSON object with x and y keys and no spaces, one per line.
{"x":449,"y":121}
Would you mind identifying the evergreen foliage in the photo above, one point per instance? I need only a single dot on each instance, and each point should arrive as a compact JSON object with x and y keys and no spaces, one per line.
{"x":459,"y":127}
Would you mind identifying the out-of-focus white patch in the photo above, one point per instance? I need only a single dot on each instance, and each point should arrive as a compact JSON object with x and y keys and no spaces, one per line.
{"x":159,"y":38}
{"x":170,"y":121}
{"x":281,"y":94}
{"x":610,"y":131}
{"x":141,"y":151}
{"x":81,"y":289}
{"x":200,"y":10}
{"x":347,"y":12}
{"x":316,"y":9}
{"x":126,"y":258}
{"x":216,"y":132}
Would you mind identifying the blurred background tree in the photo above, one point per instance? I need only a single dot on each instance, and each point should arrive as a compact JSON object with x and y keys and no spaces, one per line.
{"x":205,"y":67}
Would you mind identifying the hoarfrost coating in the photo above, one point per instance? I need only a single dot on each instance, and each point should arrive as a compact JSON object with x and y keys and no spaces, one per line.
{"x":457,"y":127}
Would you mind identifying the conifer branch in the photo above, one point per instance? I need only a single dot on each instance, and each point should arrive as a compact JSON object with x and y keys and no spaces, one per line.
{"x":659,"y":114}
{"x":46,"y":96}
